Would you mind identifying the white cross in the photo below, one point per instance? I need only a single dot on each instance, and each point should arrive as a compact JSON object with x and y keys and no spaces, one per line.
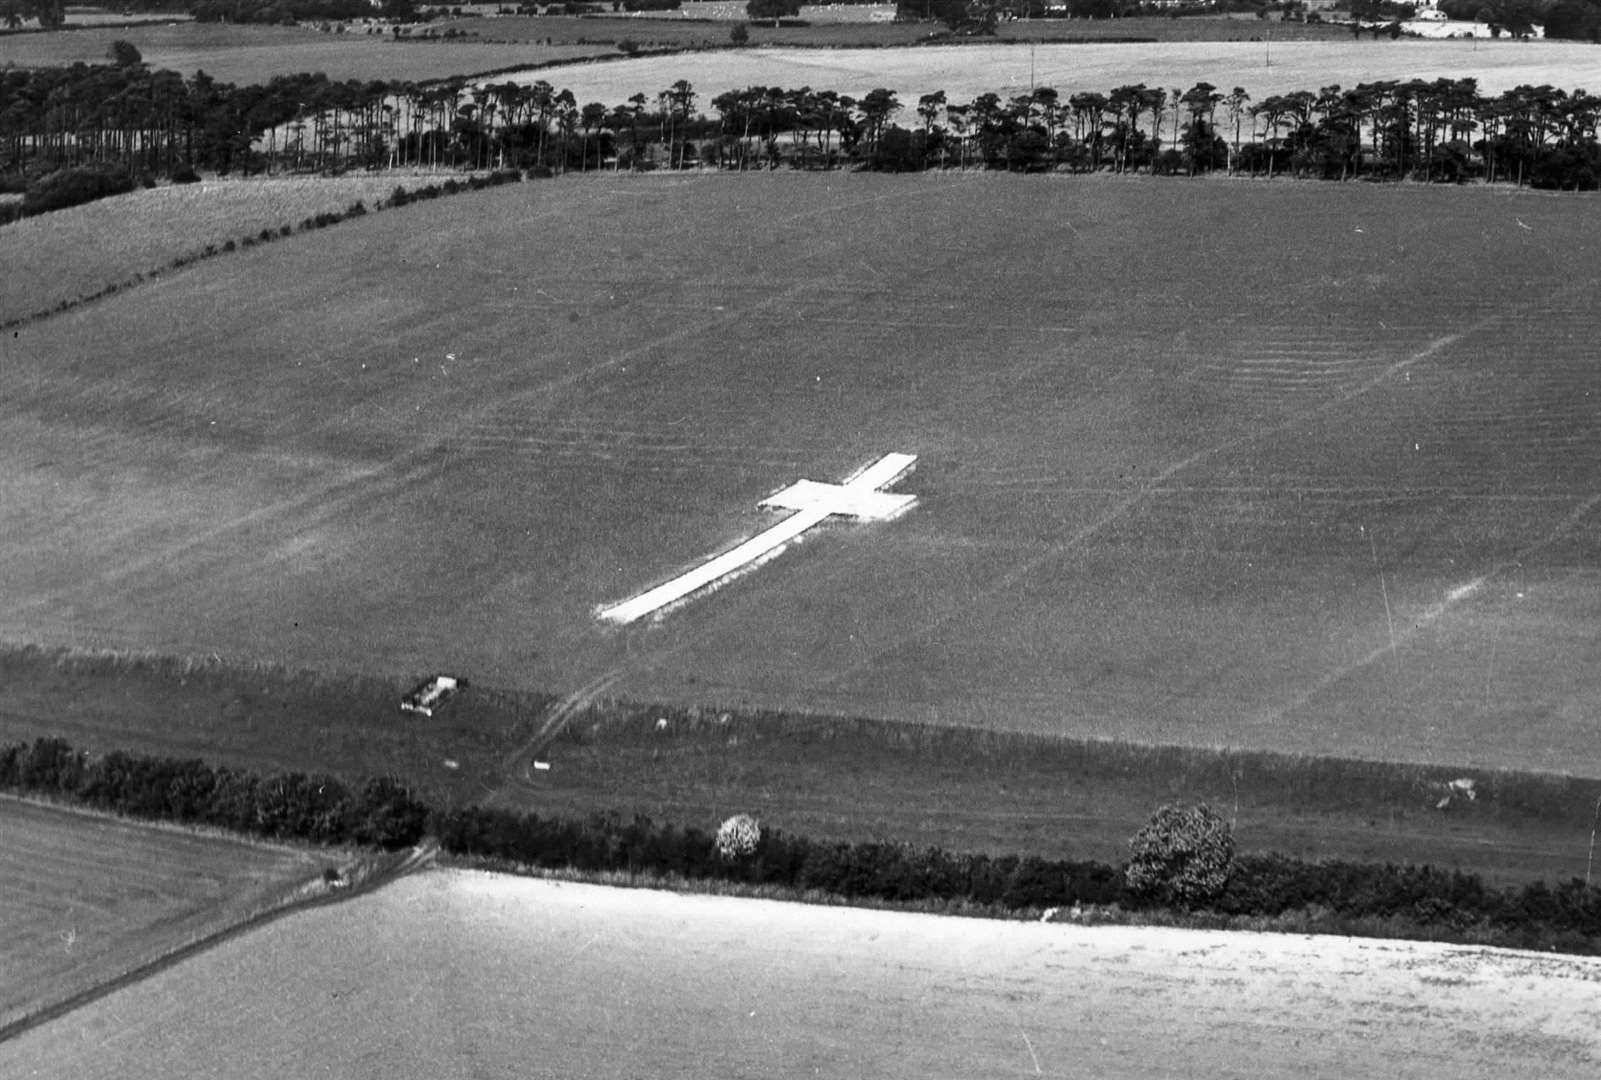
{"x":859,"y":497}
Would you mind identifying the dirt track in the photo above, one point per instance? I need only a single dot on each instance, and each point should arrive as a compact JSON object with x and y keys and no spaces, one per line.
{"x":461,"y":974}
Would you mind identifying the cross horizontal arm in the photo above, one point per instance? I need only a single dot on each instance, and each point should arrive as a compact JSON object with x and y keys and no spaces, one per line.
{"x":846,"y":500}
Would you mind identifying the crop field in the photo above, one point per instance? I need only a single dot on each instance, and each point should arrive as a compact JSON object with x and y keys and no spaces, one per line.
{"x":147,"y":229}
{"x":1299,"y":467}
{"x":89,"y":898}
{"x":255,"y":54}
{"x":965,"y":71}
{"x":461,"y":974}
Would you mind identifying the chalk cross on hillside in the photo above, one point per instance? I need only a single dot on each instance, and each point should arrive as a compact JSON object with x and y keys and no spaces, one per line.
{"x":860,"y":497}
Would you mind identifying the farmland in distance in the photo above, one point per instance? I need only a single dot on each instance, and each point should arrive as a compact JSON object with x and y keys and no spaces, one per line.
{"x":966,"y":71}
{"x":1299,"y":467}
{"x":89,"y":898}
{"x":256,"y":54}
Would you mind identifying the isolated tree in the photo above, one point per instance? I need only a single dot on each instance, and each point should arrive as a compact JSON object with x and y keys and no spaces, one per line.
{"x":1181,"y":857}
{"x":876,"y":109}
{"x":1236,"y":102}
{"x":738,"y":836}
{"x":124,"y":54}
{"x":761,"y":10}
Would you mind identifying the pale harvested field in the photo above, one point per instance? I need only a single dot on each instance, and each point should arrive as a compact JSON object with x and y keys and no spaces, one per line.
{"x":1302,"y":467}
{"x":87,"y":898}
{"x":461,"y":974}
{"x":146,"y":229}
{"x":966,"y":71}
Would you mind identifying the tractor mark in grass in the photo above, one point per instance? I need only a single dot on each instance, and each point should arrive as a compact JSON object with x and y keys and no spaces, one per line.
{"x":1021,"y":573}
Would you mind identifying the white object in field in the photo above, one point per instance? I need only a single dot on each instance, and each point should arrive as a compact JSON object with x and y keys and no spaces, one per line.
{"x":859,"y":497}
{"x":430,"y":692}
{"x":542,"y":766}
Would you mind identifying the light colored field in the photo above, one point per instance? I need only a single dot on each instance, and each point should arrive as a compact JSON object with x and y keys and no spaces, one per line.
{"x":734,"y":10}
{"x":146,"y":229}
{"x":255,"y":54}
{"x":1205,"y":463}
{"x":460,"y":974}
{"x":87,"y":898}
{"x":966,"y":71}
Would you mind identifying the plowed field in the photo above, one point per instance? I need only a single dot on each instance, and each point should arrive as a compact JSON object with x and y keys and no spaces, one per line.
{"x":88,"y":899}
{"x":1300,"y":466}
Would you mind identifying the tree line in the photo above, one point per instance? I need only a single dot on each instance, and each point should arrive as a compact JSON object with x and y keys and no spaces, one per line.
{"x":126,"y":117}
{"x":1182,"y":860}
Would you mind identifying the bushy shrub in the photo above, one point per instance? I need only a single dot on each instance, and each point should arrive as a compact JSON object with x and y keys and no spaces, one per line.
{"x":1181,"y":857}
{"x":738,"y":836}
{"x":183,"y":174}
{"x":386,"y":815}
{"x":74,"y":187}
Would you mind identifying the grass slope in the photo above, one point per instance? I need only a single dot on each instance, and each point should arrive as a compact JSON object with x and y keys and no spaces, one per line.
{"x":89,"y":898}
{"x":826,"y":778}
{"x":145,"y":230}
{"x":1297,"y":467}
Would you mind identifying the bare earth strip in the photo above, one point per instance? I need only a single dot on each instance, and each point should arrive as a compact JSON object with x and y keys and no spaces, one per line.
{"x":88,"y":898}
{"x":462,"y":974}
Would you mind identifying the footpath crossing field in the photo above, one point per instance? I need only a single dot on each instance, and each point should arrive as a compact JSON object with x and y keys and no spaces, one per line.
{"x":1306,"y":467}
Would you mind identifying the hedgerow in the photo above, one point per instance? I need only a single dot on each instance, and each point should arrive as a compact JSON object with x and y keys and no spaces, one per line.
{"x":1361,"y":898}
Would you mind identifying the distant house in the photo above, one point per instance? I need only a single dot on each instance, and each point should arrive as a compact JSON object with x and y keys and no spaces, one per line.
{"x":1430,"y":22}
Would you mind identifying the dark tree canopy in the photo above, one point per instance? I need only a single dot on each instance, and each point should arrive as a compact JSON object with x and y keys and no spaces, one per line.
{"x":1181,"y":857}
{"x":772,"y":9}
{"x":124,"y":54}
{"x":52,"y":14}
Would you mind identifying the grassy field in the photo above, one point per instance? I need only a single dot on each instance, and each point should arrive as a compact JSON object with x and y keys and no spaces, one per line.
{"x":1352,"y":521}
{"x":461,"y":974}
{"x":88,"y":898}
{"x":822,"y":777}
{"x":255,"y":54}
{"x":1242,"y":467}
{"x":144,"y":231}
{"x":965,"y":71}
{"x":264,"y":719}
